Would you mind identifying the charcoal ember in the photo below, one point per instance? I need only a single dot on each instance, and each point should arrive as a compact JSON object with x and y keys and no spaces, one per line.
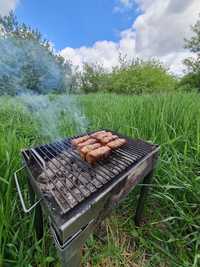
{"x":84,"y":190}
{"x":55,"y":162}
{"x":83,"y":180}
{"x":70,"y":198}
{"x":96,"y":183}
{"x":77,"y":193}
{"x":91,"y":187}
{"x":52,"y":166}
{"x":74,"y":180}
{"x":68,"y":183}
{"x":59,"y":184}
{"x":60,"y":200}
{"x":63,"y":161}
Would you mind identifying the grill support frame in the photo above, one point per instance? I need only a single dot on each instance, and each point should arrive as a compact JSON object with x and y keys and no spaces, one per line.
{"x":70,"y":232}
{"x":70,"y":251}
{"x":142,"y":198}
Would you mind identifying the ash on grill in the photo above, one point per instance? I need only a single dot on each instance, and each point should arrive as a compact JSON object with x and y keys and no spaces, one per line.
{"x":62,"y":173}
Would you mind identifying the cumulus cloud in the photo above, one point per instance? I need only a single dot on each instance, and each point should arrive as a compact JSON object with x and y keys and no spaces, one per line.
{"x":123,"y":5}
{"x":105,"y":52}
{"x":6,"y":6}
{"x":158,"y":32}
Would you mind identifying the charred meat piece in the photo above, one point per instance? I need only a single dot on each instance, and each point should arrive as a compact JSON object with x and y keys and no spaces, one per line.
{"x":117,"y":143}
{"x":100,"y":136}
{"x":84,"y":150}
{"x":79,"y":140}
{"x":98,"y":154}
{"x":90,"y":141}
{"x":106,"y":139}
{"x":96,"y":133}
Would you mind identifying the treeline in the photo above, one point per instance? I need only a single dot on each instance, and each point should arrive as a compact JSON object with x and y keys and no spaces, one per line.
{"x":130,"y":77}
{"x":138,"y":77}
{"x":28,"y":62}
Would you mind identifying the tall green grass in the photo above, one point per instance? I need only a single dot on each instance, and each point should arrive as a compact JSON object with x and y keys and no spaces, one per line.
{"x":171,"y":236}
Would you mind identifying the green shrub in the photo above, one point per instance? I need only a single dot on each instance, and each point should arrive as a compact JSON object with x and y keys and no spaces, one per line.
{"x":136,"y":77}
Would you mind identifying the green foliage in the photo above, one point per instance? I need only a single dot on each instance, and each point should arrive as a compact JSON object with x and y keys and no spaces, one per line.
{"x":28,"y":61}
{"x":189,"y":82}
{"x":135,"y":77}
{"x":192,"y":79}
{"x":171,"y":234}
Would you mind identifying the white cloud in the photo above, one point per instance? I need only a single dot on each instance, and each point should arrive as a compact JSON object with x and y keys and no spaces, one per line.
{"x":158,"y":32}
{"x":123,"y":5}
{"x":6,"y":6}
{"x":105,"y":53}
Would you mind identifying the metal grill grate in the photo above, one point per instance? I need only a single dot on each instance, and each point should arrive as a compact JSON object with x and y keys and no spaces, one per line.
{"x":69,"y":180}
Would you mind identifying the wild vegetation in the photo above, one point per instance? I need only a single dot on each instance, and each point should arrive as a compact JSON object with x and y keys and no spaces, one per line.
{"x":28,"y":63}
{"x":130,"y":77}
{"x":137,"y":98}
{"x":171,"y":234}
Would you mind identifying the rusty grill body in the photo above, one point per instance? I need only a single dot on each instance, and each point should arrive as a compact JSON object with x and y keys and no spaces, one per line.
{"x":77,"y":196}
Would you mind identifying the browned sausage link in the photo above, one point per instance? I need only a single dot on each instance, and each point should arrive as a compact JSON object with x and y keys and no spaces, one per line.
{"x":117,"y":143}
{"x":98,"y":154}
{"x":79,"y":140}
{"x":84,"y":150}
{"x":97,"y":133}
{"x":107,"y":139}
{"x":90,"y":141}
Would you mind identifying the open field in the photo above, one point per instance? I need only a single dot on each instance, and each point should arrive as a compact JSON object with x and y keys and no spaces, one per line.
{"x":171,"y":235}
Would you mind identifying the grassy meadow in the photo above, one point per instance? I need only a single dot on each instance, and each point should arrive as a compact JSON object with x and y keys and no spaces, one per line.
{"x":171,"y":235}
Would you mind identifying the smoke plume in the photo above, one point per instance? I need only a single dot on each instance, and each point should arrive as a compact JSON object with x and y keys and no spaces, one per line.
{"x":31,"y":72}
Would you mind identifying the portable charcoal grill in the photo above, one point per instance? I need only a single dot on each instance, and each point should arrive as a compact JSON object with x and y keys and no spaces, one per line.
{"x":77,"y":196}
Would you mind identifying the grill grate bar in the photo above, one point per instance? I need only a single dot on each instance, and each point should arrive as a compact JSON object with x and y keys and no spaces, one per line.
{"x":61,"y":196}
{"x":84,"y":193}
{"x":128,"y":156}
{"x":74,"y":198}
{"x":70,"y":180}
{"x":113,"y":165}
{"x":135,"y":151}
{"x":64,"y":156}
{"x":109,"y":176}
{"x":86,"y":168}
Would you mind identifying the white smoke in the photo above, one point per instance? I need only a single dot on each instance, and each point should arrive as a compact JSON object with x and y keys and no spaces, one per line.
{"x":22,"y":62}
{"x":48,"y":113}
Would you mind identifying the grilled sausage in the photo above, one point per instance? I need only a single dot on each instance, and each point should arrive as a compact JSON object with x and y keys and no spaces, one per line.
{"x":90,"y":141}
{"x":100,"y":136}
{"x":98,"y":154}
{"x":84,"y":150}
{"x":79,"y":140}
{"x":117,"y":143}
{"x":96,"y":133}
{"x":107,"y":139}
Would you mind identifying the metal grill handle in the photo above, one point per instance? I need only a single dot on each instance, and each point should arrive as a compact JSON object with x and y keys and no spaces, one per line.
{"x":26,"y":210}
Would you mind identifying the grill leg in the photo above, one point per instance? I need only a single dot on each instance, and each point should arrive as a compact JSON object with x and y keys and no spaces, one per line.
{"x":38,"y":216}
{"x":70,"y":251}
{"x":143,"y":194}
{"x":74,"y":261}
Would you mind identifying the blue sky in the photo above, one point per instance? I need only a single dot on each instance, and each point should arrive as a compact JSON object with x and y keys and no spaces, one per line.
{"x":97,"y":31}
{"x":76,"y":23}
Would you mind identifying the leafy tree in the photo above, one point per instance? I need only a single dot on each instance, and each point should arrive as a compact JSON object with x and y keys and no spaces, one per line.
{"x":29,"y":61}
{"x":130,"y":77}
{"x":192,"y":79}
